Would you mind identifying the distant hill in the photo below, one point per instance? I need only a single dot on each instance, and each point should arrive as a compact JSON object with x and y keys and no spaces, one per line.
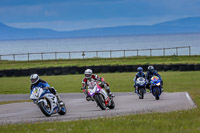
{"x":191,"y":21}
{"x":185,"y":25}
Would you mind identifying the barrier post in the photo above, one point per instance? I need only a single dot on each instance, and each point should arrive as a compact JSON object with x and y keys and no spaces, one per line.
{"x":189,"y":50}
{"x":28,"y":56}
{"x":55,"y":55}
{"x":137,"y":52}
{"x":0,"y":57}
{"x":83,"y":54}
{"x":97,"y":54}
{"x":69,"y":55}
{"x":176,"y":51}
{"x":150,"y":52}
{"x":110,"y":54}
{"x":124,"y":53}
{"x":13,"y":57}
{"x":42,"y":56}
{"x":163,"y":51}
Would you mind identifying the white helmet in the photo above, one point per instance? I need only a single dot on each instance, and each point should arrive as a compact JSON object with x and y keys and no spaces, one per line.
{"x":88,"y":73}
{"x":34,"y":78}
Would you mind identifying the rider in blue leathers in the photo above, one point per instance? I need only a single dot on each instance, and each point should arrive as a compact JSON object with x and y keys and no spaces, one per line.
{"x":139,"y":74}
{"x":37,"y":82}
{"x":150,"y":73}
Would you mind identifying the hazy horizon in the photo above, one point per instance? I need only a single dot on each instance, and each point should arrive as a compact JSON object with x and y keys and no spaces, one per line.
{"x":68,"y":15}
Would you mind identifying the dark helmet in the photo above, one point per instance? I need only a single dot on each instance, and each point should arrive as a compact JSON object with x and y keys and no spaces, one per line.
{"x":34,"y":78}
{"x":140,"y":69}
{"x":150,"y":68}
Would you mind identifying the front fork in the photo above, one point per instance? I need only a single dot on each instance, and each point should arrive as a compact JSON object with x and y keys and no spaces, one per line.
{"x":106,"y":97}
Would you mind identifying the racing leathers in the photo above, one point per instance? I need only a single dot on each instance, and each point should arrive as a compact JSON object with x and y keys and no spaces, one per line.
{"x":94,"y":77}
{"x":139,"y":74}
{"x":44,"y":85}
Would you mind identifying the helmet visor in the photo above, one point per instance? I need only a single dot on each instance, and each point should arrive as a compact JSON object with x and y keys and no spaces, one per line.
{"x":33,"y":80}
{"x":151,"y":70}
{"x":87,"y":75}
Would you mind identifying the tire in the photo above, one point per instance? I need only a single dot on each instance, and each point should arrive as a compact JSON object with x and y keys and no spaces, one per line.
{"x":42,"y":108}
{"x":112,"y":106}
{"x":141,"y":92}
{"x":157,"y":94}
{"x":100,"y":102}
{"x":63,"y":110}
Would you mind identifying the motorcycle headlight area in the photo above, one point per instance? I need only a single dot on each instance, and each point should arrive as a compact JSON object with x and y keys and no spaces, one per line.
{"x":36,"y":93}
{"x":158,"y":84}
{"x":141,"y":82}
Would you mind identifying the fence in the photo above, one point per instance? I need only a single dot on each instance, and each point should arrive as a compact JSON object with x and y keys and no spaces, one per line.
{"x":97,"y":54}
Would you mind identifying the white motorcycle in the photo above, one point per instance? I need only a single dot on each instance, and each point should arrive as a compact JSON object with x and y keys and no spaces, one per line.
{"x":47,"y":102}
{"x":98,"y":94}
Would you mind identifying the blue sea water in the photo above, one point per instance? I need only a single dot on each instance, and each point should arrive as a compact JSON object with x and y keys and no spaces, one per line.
{"x":101,"y":43}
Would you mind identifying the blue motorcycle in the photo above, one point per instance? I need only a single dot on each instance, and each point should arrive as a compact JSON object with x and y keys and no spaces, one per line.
{"x":140,"y":87}
{"x":156,"y":87}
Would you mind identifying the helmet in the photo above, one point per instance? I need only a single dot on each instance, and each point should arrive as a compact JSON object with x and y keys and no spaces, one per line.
{"x":140,"y":69}
{"x":150,"y":68}
{"x":34,"y":78}
{"x":88,"y":73}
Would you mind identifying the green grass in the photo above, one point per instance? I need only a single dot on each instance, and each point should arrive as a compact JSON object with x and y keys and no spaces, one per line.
{"x":100,"y":61}
{"x":119,"y":82}
{"x":172,"y":122}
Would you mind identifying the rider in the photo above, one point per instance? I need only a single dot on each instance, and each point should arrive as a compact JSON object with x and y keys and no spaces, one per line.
{"x":139,"y":74}
{"x":150,"y":73}
{"x":37,"y":82}
{"x":89,"y":76}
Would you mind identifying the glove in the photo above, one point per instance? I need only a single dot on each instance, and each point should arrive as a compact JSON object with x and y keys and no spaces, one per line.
{"x":103,"y":82}
{"x":83,"y":88}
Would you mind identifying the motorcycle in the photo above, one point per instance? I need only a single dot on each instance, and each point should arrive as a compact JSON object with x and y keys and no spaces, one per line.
{"x":47,"y":102}
{"x":98,"y":94}
{"x":140,"y":87}
{"x":155,"y":86}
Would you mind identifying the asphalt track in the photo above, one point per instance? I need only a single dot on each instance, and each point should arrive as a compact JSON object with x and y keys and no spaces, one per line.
{"x":79,"y":108}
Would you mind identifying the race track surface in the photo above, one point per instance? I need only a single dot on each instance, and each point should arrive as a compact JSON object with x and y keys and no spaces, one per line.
{"x":79,"y":108}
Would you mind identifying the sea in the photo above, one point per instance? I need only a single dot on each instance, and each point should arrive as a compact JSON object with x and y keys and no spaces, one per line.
{"x":73,"y":47}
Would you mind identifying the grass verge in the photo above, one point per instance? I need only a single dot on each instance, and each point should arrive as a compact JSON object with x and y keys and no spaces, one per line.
{"x":119,"y":82}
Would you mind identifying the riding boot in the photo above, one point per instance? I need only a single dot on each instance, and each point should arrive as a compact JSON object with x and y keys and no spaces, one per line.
{"x":108,"y":90}
{"x":59,"y":100}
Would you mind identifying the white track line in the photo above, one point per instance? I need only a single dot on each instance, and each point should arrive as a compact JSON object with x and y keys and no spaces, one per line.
{"x":190,"y":99}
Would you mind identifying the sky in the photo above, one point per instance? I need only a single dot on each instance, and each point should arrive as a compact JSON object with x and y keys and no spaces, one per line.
{"x":68,"y":15}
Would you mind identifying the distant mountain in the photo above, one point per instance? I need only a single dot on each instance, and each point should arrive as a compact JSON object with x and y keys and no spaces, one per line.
{"x":185,"y":25}
{"x":191,"y":21}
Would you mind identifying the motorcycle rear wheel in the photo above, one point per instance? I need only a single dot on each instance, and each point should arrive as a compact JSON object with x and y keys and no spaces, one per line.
{"x":63,"y":110}
{"x":112,"y":106}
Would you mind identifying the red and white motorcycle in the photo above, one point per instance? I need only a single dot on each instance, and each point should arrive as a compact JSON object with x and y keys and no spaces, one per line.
{"x":98,"y":94}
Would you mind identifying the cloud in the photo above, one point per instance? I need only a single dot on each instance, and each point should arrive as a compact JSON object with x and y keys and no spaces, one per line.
{"x":90,"y":13}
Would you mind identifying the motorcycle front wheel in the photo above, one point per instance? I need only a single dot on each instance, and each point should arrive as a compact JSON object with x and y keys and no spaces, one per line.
{"x":46,"y":110}
{"x":112,"y":106}
{"x":100,"y":101}
{"x":141,"y":92}
{"x":157,"y":94}
{"x":63,"y":110}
